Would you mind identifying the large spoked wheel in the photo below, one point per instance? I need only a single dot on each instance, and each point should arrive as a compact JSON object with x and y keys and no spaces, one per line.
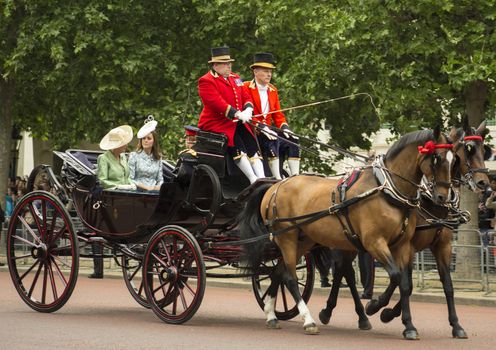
{"x":133,"y":275}
{"x":285,"y":306}
{"x":42,"y":251}
{"x":174,"y":274}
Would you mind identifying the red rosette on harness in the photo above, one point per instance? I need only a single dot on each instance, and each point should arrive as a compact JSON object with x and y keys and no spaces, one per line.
{"x":430,"y":147}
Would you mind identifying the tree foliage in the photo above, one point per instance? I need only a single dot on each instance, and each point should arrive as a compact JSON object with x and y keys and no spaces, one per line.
{"x":72,"y":70}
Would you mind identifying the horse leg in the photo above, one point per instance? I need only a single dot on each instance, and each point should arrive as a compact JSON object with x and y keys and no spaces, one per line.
{"x":442,"y":253}
{"x":385,"y":257}
{"x":337,"y":277}
{"x":270,"y":300}
{"x":288,"y":245}
{"x":388,"y":314}
{"x":349,"y":274}
{"x":410,"y":332}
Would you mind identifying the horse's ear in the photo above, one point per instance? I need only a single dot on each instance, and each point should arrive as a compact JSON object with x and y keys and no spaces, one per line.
{"x":465,"y":125}
{"x":437,"y":132}
{"x":452,"y":133}
{"x":481,"y":129}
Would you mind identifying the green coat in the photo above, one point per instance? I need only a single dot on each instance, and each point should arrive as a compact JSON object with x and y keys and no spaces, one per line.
{"x":112,"y":172}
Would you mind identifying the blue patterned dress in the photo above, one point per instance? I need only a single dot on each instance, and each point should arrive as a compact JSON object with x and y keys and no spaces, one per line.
{"x":144,"y":169}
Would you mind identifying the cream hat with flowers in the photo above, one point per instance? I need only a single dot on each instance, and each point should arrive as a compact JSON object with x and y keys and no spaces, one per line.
{"x":117,"y":137}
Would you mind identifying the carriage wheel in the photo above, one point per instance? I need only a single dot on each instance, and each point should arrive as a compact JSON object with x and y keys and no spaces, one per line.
{"x":174,"y":274}
{"x":42,"y":251}
{"x":285,"y":306}
{"x":133,"y":276}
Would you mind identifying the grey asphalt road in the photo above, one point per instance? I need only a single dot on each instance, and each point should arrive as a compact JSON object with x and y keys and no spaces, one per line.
{"x":102,"y":315}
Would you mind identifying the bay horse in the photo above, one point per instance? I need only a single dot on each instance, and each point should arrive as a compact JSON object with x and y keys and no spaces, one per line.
{"x":469,"y":153}
{"x":303,"y":210}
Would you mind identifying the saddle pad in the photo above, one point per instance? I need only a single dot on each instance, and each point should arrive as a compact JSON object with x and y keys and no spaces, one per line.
{"x":345,"y":183}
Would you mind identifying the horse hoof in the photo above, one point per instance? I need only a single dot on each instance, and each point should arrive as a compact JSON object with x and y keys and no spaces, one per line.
{"x":273,"y":324}
{"x":311,"y":329}
{"x":324,"y":316}
{"x":372,"y":307}
{"x":364,"y":325}
{"x":387,"y":315}
{"x":459,"y":334}
{"x":411,"y":334}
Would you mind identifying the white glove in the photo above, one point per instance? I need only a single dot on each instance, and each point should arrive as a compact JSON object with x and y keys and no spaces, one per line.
{"x":271,"y":134}
{"x":245,"y":115}
{"x":288,"y":133}
{"x":126,"y":187}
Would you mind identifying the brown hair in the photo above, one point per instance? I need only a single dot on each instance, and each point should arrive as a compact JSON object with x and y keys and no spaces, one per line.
{"x":155,"y":148}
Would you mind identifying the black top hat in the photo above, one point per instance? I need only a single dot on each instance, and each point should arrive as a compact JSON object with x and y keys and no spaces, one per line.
{"x":264,"y":59}
{"x":220,"y":55}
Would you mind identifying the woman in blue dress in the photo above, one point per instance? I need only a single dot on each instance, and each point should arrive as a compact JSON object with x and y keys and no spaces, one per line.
{"x":145,"y":165}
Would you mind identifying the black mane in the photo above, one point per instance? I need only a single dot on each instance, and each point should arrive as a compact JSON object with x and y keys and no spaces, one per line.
{"x":420,"y":137}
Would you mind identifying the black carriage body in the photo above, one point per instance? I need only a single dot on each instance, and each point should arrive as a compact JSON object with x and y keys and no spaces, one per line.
{"x":207,"y":195}
{"x":184,"y":221}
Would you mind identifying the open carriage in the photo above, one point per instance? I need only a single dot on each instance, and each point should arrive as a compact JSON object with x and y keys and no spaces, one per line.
{"x":167,"y":243}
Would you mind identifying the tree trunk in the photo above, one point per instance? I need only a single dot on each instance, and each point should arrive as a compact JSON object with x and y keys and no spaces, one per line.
{"x":6,"y":102}
{"x":468,"y":259}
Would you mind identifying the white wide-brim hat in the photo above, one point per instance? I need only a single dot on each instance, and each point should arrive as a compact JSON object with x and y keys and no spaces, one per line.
{"x":149,"y":126}
{"x":117,"y":137}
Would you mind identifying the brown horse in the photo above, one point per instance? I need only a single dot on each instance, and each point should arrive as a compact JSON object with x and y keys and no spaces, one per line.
{"x":379,"y":217}
{"x":469,"y":152}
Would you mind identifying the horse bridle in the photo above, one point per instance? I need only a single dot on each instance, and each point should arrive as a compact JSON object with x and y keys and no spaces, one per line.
{"x":429,"y":149}
{"x":469,"y":142}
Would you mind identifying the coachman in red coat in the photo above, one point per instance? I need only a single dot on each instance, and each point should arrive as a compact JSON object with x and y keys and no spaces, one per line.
{"x":268,"y":112}
{"x":227,"y":106}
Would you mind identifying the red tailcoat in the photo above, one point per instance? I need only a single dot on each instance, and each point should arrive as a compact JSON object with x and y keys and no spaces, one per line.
{"x":275,"y":118}
{"x":221,"y":100}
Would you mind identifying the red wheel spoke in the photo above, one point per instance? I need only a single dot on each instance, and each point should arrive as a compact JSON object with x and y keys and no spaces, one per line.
{"x":164,"y":247}
{"x":43,"y":293}
{"x":161,"y":285}
{"x":44,"y":218}
{"x":29,"y":229}
{"x":54,"y":220}
{"x":135,"y":272}
{"x":59,"y":272}
{"x":29,"y":270}
{"x":174,"y":304}
{"x":35,"y":280}
{"x":60,"y":261}
{"x":183,"y":299}
{"x":23,"y":256}
{"x":192,"y":292}
{"x":160,"y":260}
{"x":25,"y":241}
{"x":52,"y":280}
{"x":59,"y":233}
{"x":62,"y":248}
{"x":174,"y":248}
{"x":36,"y":218}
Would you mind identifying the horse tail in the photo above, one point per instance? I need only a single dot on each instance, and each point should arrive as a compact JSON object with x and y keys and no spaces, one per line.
{"x":251,"y":225}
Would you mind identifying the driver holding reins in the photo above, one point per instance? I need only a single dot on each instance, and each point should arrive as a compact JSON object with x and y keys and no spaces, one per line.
{"x":266,"y":100}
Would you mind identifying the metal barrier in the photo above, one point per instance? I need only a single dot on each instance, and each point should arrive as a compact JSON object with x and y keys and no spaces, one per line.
{"x":426,"y":264}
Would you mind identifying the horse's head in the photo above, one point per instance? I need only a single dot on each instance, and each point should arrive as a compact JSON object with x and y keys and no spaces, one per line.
{"x":436,"y":160}
{"x":469,"y":154}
